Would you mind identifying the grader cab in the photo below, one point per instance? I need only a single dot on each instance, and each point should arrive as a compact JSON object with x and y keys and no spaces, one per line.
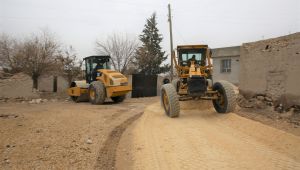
{"x":100,"y":82}
{"x":194,"y":70}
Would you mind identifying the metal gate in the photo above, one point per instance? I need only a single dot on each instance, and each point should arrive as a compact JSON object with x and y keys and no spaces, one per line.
{"x":144,"y":85}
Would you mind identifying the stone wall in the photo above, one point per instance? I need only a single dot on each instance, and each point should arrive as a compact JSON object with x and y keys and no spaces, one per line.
{"x":272,"y":68}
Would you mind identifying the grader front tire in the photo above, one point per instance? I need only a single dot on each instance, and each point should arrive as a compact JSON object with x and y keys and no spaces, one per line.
{"x":227,"y":98}
{"x":169,"y":100}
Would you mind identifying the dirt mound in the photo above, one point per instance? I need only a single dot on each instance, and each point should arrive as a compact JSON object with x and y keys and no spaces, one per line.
{"x":19,"y":85}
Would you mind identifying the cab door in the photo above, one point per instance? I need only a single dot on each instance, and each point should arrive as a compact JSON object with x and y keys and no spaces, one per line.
{"x":88,"y":69}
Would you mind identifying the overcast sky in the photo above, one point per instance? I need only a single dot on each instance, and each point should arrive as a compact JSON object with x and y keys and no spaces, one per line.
{"x":218,"y":23}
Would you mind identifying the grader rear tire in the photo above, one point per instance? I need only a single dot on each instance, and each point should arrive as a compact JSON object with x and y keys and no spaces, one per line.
{"x":227,"y":98}
{"x":97,"y":92}
{"x":169,"y":100}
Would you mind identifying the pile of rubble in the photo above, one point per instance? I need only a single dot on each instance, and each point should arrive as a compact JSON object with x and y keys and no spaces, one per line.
{"x":261,"y":101}
{"x":26,"y":100}
{"x":4,"y":75}
{"x":258,"y":102}
{"x":265,"y":105}
{"x":17,"y":99}
{"x":38,"y":101}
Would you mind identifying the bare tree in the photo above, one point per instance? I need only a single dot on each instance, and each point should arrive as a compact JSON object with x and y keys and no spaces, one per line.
{"x":6,"y":47}
{"x":38,"y":55}
{"x":70,"y":64}
{"x":121,"y":48}
{"x":10,"y":53}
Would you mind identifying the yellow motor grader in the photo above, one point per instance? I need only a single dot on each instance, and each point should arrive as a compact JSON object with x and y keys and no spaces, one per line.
{"x":194,"y":70}
{"x":100,"y":82}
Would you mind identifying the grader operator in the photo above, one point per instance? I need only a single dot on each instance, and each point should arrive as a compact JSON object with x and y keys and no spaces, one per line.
{"x":194,"y":70}
{"x":100,"y":82}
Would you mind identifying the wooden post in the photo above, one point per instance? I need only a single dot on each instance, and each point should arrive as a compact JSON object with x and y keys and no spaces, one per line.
{"x":171,"y":39}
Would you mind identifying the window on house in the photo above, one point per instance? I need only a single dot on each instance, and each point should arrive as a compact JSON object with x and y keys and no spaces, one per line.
{"x":226,"y":66}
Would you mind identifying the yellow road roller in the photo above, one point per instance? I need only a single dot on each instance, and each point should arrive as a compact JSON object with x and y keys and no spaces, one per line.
{"x":100,"y":82}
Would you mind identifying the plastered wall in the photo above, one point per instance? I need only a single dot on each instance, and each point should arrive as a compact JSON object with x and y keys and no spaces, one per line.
{"x":272,"y":67}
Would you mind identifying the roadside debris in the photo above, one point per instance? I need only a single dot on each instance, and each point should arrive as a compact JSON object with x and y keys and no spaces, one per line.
{"x":89,"y":141}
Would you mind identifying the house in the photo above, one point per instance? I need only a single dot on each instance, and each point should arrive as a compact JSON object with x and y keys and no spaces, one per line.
{"x":226,"y":62}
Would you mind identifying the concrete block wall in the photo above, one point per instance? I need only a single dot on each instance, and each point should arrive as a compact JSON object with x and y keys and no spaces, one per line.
{"x":232,"y":76}
{"x":272,"y":67}
{"x":219,"y":54}
{"x":129,"y":77}
{"x":19,"y":85}
{"x":46,"y":84}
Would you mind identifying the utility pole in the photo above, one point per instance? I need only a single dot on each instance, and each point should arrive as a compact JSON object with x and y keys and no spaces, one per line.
{"x":171,"y":39}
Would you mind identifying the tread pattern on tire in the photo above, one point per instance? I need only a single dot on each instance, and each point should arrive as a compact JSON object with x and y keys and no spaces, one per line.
{"x":174,"y":105}
{"x":100,"y":92}
{"x":229,"y":94}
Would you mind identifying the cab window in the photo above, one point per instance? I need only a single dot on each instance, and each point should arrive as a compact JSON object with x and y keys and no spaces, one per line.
{"x":186,"y":55}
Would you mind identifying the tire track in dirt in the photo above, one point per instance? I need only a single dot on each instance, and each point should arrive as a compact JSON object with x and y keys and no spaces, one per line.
{"x":107,"y":154}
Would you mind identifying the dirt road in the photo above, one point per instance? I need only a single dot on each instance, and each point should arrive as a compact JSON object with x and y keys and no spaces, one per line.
{"x":205,"y":140}
{"x":64,"y":135}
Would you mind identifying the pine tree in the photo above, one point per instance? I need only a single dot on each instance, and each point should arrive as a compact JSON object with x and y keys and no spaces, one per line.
{"x":149,"y":55}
